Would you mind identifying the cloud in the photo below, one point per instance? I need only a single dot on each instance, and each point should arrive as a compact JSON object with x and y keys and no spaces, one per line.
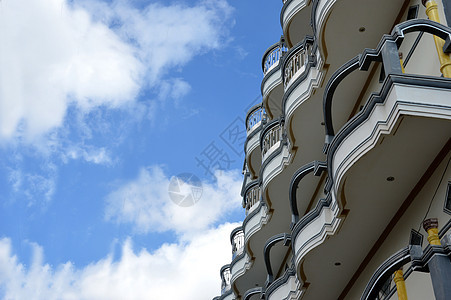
{"x":53,"y":55}
{"x":175,"y":89}
{"x":145,"y":203}
{"x":89,"y":154}
{"x":183,"y":270}
{"x":35,"y":187}
{"x":94,"y":54}
{"x":168,"y":35}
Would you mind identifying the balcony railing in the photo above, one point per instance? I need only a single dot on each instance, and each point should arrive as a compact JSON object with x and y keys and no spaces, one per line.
{"x":273,"y":55}
{"x":225,"y":279}
{"x":237,"y":239}
{"x":271,"y":136}
{"x":297,"y":60}
{"x":255,"y":115}
{"x":253,"y":196}
{"x":386,"y":52}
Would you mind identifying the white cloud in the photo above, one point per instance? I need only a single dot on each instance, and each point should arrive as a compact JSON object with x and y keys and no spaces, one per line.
{"x":168,"y":36}
{"x":94,"y":54}
{"x":89,"y":154}
{"x":186,"y":270}
{"x":176,"y":88}
{"x":145,"y":203}
{"x":36,"y":188}
{"x":53,"y":55}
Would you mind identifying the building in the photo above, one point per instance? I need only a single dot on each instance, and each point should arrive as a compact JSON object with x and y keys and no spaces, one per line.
{"x":347,"y":167}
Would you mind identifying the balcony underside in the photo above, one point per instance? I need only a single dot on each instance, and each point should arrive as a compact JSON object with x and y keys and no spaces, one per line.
{"x":295,"y":21}
{"x":253,"y":152}
{"x":250,"y":276}
{"x":345,"y":27}
{"x":272,"y":92}
{"x":375,"y":167}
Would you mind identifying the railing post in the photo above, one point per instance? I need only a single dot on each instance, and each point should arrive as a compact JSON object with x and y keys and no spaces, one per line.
{"x":445,"y":61}
{"x":390,"y":58}
{"x":400,"y":285}
{"x":439,"y":265}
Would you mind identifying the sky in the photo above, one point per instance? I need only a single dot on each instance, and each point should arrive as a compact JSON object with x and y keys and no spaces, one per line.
{"x":102,"y":104}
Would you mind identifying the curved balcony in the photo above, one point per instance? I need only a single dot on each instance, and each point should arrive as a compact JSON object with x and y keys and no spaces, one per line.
{"x":271,"y":137}
{"x":237,"y":241}
{"x":271,"y":86}
{"x":252,"y":197}
{"x":296,"y":61}
{"x":314,"y":227}
{"x":295,"y":20}
{"x":238,"y":267}
{"x":402,"y":97}
{"x":285,"y":287}
{"x":301,"y":105}
{"x":275,"y":151}
{"x":254,"y":119}
{"x":225,"y":279}
{"x":377,"y":162}
{"x":240,"y":260}
{"x":255,"y":220}
{"x":257,"y":214}
{"x":272,"y":56}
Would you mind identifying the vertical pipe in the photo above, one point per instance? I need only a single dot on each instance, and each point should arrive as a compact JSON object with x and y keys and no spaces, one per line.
{"x":400,"y":285}
{"x":445,"y":61}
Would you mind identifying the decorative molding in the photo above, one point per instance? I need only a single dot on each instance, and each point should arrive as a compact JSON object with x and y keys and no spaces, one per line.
{"x":336,"y":169}
{"x":285,"y":158}
{"x":323,"y":220}
{"x":263,"y":215}
{"x":293,"y":294}
{"x":246,"y":262}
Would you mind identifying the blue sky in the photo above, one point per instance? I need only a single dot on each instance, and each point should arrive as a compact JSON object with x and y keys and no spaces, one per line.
{"x":101,"y":103}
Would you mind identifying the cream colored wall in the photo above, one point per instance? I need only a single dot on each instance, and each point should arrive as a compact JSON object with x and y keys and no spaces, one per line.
{"x":424,"y":60}
{"x":418,"y":284}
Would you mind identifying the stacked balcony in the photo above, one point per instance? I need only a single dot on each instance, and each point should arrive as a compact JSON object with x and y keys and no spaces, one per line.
{"x":387,"y":136}
{"x":271,"y":138}
{"x":254,"y":120}
{"x":237,"y":241}
{"x":271,"y":86}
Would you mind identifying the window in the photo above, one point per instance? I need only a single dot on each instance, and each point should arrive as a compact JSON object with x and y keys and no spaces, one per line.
{"x":447,"y":207}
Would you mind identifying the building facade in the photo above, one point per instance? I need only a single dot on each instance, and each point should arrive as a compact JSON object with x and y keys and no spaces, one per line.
{"x":347,"y":173}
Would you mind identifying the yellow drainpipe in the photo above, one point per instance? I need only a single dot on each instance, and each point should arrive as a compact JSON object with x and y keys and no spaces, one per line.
{"x":400,"y":285}
{"x":445,"y":61}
